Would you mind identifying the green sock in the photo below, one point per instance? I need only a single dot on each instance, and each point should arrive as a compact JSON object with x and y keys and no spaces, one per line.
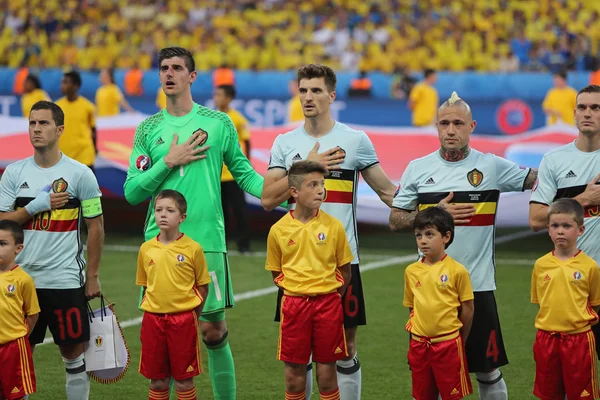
{"x":221,"y":369}
{"x":172,"y":392}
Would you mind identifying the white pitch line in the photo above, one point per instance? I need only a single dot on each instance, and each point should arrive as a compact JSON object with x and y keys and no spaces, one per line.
{"x":363,"y":268}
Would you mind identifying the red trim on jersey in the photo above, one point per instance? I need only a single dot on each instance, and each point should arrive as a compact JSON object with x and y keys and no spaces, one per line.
{"x":180,"y":236}
{"x":292,"y":214}
{"x":55,"y":226}
{"x":445,"y":255}
{"x":481,"y":220}
{"x":13,"y":268}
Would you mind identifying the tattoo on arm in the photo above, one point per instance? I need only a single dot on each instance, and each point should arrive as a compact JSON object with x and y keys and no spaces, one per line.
{"x":531,"y":178}
{"x":455,"y":155}
{"x":402,"y":219}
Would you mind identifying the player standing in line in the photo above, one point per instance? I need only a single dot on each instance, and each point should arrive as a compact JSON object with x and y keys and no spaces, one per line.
{"x":166,"y":154}
{"x":50,"y":193}
{"x":573,"y":171}
{"x":172,"y":269}
{"x":309,"y":256}
{"x":438,"y":292}
{"x":467,"y":184}
{"x":19,"y":312}
{"x":350,"y":152}
{"x":565,"y":283}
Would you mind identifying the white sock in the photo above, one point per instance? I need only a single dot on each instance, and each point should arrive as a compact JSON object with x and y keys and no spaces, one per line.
{"x":492,"y":385}
{"x":349,"y":378}
{"x":309,"y":379}
{"x":78,"y":381}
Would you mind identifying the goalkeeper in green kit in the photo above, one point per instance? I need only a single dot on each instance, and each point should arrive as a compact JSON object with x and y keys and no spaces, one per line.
{"x":183,"y":147}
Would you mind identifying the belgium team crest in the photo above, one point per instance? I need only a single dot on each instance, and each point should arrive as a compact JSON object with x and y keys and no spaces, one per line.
{"x":475,"y":177}
{"x":60,"y":185}
{"x":99,"y":341}
{"x":202,"y":131}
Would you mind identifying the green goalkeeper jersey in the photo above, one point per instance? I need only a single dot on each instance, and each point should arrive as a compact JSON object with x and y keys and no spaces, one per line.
{"x":199,"y":181}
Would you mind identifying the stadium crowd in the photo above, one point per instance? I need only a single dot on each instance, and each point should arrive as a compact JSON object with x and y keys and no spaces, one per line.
{"x":499,"y":35}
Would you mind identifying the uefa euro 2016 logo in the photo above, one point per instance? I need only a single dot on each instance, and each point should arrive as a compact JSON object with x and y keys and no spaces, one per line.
{"x":577,"y":277}
{"x":443,"y":281}
{"x":11,"y":289}
{"x":321,"y":236}
{"x":180,"y":260}
{"x":142,"y":163}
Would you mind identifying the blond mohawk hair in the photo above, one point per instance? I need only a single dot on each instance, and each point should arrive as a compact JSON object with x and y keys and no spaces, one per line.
{"x":453,"y":99}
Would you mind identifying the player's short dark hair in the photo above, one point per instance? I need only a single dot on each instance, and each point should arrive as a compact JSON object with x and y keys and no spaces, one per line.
{"x":57,"y":113}
{"x":589,"y":89}
{"x":567,"y":206}
{"x":428,"y":72}
{"x":561,"y":73}
{"x":229,"y":90}
{"x":170,"y":52}
{"x":34,"y":80}
{"x":75,"y":77}
{"x":15,"y":229}
{"x":300,"y":169}
{"x":435,"y":217}
{"x":310,"y":71}
{"x":174,"y":195}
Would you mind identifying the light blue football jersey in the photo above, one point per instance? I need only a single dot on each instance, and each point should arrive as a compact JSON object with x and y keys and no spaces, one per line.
{"x":341,"y":185}
{"x":565,"y":172}
{"x":478,"y":179}
{"x":53,"y":250}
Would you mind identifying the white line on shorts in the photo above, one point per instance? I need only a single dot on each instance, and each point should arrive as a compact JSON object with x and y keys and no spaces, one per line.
{"x":363,"y":268}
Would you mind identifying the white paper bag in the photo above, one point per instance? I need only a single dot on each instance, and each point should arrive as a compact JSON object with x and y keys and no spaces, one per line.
{"x":106,"y":354}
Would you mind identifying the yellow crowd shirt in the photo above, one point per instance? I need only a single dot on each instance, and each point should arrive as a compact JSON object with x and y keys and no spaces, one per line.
{"x":161,"y":99}
{"x":435,"y":292}
{"x":295,"y":112}
{"x":308,"y":255}
{"x":564,"y":101}
{"x":18,"y":300}
{"x":76,"y":141}
{"x":566,"y":291}
{"x":243,"y":131}
{"x":171,"y":274}
{"x":29,"y":99}
{"x":108,"y":100}
{"x":425,"y":104}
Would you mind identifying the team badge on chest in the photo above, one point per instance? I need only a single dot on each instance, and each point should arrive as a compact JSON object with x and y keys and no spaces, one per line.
{"x":60,"y":185}
{"x":475,"y":177}
{"x":202,"y":131}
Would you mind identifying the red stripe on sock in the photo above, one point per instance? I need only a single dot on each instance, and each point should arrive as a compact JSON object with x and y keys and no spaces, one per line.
{"x":187,"y":395}
{"x":295,"y":396}
{"x":334,"y":395}
{"x":159,"y":394}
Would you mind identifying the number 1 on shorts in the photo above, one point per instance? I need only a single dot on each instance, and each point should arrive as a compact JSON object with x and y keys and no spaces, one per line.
{"x":215,"y":282}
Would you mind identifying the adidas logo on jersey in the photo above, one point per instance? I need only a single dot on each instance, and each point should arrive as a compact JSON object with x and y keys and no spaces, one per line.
{"x":297,"y":157}
{"x":547,"y":277}
{"x":291,"y":242}
{"x":189,"y":369}
{"x":430,"y":181}
{"x":585,"y":393}
{"x":453,"y":392}
{"x":418,"y":284}
{"x":151,"y":263}
{"x":24,"y":186}
{"x":337,"y":350}
{"x":160,"y":141}
{"x":571,"y":174}
{"x":16,"y":390}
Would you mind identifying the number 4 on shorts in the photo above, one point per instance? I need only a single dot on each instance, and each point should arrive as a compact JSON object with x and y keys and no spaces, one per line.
{"x":492,"y":347}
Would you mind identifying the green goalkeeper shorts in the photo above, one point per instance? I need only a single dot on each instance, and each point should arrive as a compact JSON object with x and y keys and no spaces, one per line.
{"x":220,"y":291}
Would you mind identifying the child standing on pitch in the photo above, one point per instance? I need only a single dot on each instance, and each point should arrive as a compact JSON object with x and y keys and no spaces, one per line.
{"x":438,"y":292}
{"x":19,"y":311}
{"x":172,"y":269}
{"x":309,"y":256}
{"x":565,"y":283}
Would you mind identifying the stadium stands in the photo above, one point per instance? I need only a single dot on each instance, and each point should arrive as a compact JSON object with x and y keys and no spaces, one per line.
{"x":371,"y":35}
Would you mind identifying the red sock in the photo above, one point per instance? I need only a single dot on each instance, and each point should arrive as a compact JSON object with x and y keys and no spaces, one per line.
{"x":159,"y":394}
{"x":335,"y":395}
{"x":187,"y":394}
{"x":295,"y":396}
